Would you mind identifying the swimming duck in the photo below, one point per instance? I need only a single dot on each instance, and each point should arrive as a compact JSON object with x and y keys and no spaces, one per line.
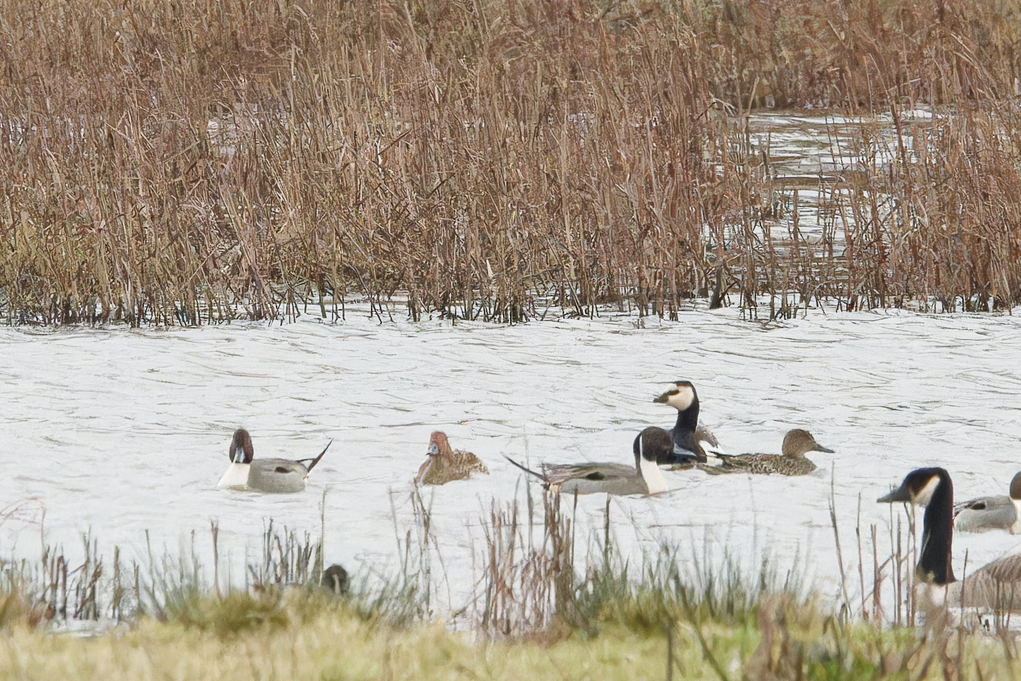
{"x":991,"y":513}
{"x":688,"y":439}
{"x":796,"y":443}
{"x":996,"y":586}
{"x":445,"y":464}
{"x":612,"y":478}
{"x":264,"y":475}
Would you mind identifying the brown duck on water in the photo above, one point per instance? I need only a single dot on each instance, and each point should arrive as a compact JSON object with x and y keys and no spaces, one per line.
{"x":796,"y":443}
{"x":445,"y":464}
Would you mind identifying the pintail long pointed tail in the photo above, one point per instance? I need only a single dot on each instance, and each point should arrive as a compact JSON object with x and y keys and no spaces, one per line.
{"x":314,"y":461}
{"x":527,"y":470}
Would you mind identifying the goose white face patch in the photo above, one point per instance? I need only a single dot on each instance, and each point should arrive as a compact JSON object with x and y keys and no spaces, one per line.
{"x":681,"y":397}
{"x":925,"y":494}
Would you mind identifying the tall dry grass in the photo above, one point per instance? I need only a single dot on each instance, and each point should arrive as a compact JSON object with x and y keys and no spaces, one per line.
{"x":192,"y":162}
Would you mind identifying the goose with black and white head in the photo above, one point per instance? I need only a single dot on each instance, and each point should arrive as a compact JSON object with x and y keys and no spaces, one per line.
{"x":687,"y":441}
{"x":991,"y":513}
{"x":644,"y":477}
{"x":996,"y":586}
{"x":273,"y":476}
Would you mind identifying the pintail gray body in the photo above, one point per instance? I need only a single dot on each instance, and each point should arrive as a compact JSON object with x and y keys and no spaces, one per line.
{"x":796,"y":443}
{"x":991,"y":513}
{"x":445,"y":464}
{"x":997,"y":586}
{"x":685,"y":443}
{"x":274,"y":476}
{"x":644,"y":477}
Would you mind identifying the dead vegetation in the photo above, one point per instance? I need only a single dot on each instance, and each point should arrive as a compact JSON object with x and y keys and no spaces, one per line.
{"x":194,"y":162}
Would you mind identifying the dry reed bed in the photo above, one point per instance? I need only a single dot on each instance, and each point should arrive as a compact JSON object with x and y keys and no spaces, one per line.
{"x":190,"y":162}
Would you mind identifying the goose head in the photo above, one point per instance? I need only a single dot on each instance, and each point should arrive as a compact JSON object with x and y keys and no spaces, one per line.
{"x":680,"y":395}
{"x":932,"y":488}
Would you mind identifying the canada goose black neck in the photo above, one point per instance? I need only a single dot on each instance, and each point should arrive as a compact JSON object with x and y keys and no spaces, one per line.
{"x":934,"y":484}
{"x":937,"y":536}
{"x":683,"y":397}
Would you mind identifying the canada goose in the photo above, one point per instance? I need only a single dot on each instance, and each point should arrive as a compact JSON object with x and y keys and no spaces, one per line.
{"x":688,"y":439}
{"x":264,"y":475}
{"x":644,"y":477}
{"x":796,"y":443}
{"x":996,"y":586}
{"x":991,"y":513}
{"x":445,"y":464}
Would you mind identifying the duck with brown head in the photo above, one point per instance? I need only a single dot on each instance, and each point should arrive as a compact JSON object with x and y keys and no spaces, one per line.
{"x":264,"y":475}
{"x":796,"y":443}
{"x":445,"y":464}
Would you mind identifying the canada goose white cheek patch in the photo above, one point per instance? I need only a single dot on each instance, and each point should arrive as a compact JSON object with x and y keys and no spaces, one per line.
{"x":925,"y":494}
{"x":682,"y":398}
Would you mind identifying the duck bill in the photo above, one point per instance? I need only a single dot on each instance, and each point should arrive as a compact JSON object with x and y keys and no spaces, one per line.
{"x":434,"y":449}
{"x":662,"y":398}
{"x":820,"y":448}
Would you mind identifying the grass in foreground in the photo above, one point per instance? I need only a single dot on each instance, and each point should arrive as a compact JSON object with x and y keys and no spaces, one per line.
{"x":312,"y":635}
{"x":542,"y":611}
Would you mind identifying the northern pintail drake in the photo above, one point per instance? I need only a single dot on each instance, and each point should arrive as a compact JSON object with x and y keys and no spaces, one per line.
{"x":688,"y":440}
{"x":996,"y":586}
{"x":991,"y":513}
{"x":264,"y":475}
{"x":796,"y":443}
{"x":445,"y":464}
{"x":644,"y":477}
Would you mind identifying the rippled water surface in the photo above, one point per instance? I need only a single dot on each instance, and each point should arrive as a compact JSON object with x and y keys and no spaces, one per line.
{"x":120,"y":432}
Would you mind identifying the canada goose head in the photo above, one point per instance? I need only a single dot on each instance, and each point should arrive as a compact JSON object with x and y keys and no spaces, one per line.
{"x":680,"y":395}
{"x":932,"y":488}
{"x":799,"y":442}
{"x":918,"y":487}
{"x":241,"y":447}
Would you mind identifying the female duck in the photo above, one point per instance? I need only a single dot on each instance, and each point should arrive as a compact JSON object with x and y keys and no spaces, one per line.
{"x":991,"y":513}
{"x":264,"y":475}
{"x":612,"y":478}
{"x":445,"y":464}
{"x":996,"y":586}
{"x":687,"y":440}
{"x":796,"y":443}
